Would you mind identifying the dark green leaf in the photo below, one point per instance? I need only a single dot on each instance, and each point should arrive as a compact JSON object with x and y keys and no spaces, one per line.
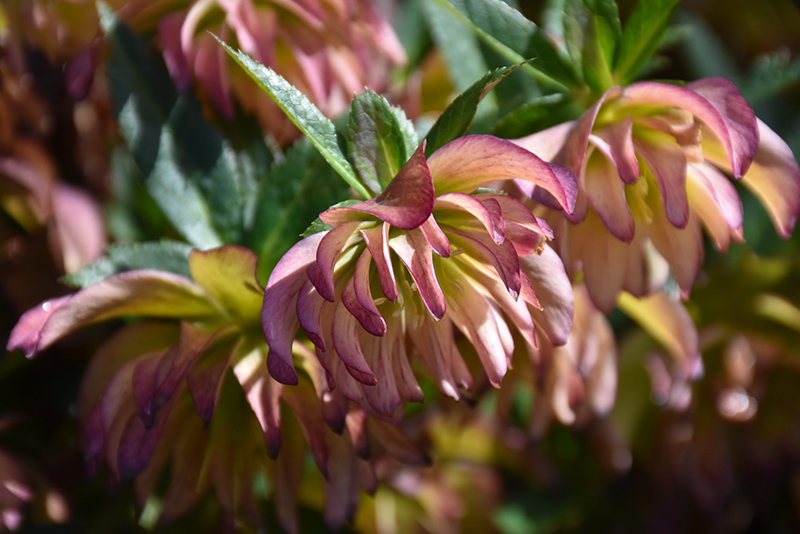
{"x":170,"y":256}
{"x":770,"y":75}
{"x":296,"y":190}
{"x":455,"y":120}
{"x":412,"y":30}
{"x":375,"y":140}
{"x":508,"y":31}
{"x":536,"y":116}
{"x":310,"y":120}
{"x":591,"y":32}
{"x":641,"y":36}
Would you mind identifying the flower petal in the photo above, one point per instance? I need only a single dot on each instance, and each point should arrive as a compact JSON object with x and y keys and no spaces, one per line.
{"x":548,"y":278}
{"x":281,"y":295}
{"x":433,"y":233}
{"x":370,"y":320}
{"x":146,"y":292}
{"x":606,"y":194}
{"x":377,"y":241}
{"x":309,"y":313}
{"x":416,"y":254}
{"x":384,"y":397}
{"x":406,"y":202}
{"x":502,"y":257}
{"x":619,"y":138}
{"x":774,"y":178}
{"x":345,"y":340}
{"x":681,"y":247}
{"x":79,"y":226}
{"x":263,"y":394}
{"x":473,"y":161}
{"x":205,"y":378}
{"x":435,"y":344}
{"x":668,"y":165}
{"x":228,"y":274}
{"x":486,"y":210}
{"x":330,"y":248}
{"x":716,"y":202}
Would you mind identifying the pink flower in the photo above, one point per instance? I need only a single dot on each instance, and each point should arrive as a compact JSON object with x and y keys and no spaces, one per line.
{"x":420,"y":259}
{"x":650,"y":160}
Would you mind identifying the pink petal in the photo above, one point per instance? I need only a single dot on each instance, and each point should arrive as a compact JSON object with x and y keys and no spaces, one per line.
{"x":739,"y":119}
{"x":305,"y":408}
{"x":211,"y":69}
{"x":281,"y":295}
{"x":205,"y":378}
{"x":263,"y":394}
{"x":435,"y":344}
{"x":377,"y":241}
{"x":774,"y":178}
{"x":345,"y":340}
{"x":491,"y":219}
{"x":619,"y":138}
{"x":668,"y":165}
{"x":716,"y":202}
{"x":138,"y":442}
{"x":606,"y":194}
{"x":145,"y":292}
{"x":330,"y":248}
{"x":521,"y":227}
{"x":434,"y":235}
{"x":309,"y":313}
{"x":731,"y":130}
{"x":681,"y":247}
{"x":169,"y":33}
{"x":548,"y":278}
{"x":416,"y":254}
{"x":384,"y":397}
{"x":473,"y":161}
{"x":79,"y":226}
{"x":502,"y":257}
{"x":405,"y":203}
{"x":370,"y":320}
{"x":401,"y":368}
{"x":546,"y":143}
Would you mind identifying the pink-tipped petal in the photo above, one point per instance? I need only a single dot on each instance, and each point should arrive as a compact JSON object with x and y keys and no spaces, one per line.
{"x":435,"y":236}
{"x":548,"y":278}
{"x":169,"y":33}
{"x":503,"y":257}
{"x":145,"y":292}
{"x":474,"y":161}
{"x":330,"y":248}
{"x":619,"y":138}
{"x":263,"y":394}
{"x":370,"y":320}
{"x":739,"y":118}
{"x":309,"y":313}
{"x":138,"y":442}
{"x":681,"y":247}
{"x":407,"y":201}
{"x":377,"y":241}
{"x":486,"y":210}
{"x":738,"y":143}
{"x":384,"y":397}
{"x":606,"y":194}
{"x":438,"y":350}
{"x":281,"y":295}
{"x":668,"y":164}
{"x":774,"y":177}
{"x":205,"y":378}
{"x":79,"y":227}
{"x":345,"y":331}
{"x":416,"y":254}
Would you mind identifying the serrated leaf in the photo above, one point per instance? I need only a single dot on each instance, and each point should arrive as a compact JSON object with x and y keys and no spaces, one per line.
{"x":641,"y":36}
{"x":455,"y":120}
{"x":410,"y":137}
{"x":375,"y":140}
{"x":295,"y":191}
{"x":310,"y":120}
{"x":165,"y":255}
{"x":516,"y":37}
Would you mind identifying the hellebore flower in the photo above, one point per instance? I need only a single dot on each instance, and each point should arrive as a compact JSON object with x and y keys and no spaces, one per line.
{"x":650,"y":160}
{"x":329,"y":50}
{"x":423,"y":257}
{"x":140,"y":388}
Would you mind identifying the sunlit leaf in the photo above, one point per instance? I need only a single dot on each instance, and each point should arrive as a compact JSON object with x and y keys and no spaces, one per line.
{"x":641,"y":36}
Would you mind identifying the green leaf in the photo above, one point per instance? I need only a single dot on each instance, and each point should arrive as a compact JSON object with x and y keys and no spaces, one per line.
{"x":536,"y":116}
{"x":375,"y":140}
{"x":641,"y":36}
{"x":455,"y":120}
{"x":165,"y":255}
{"x":310,"y":120}
{"x":190,"y":172}
{"x":295,"y":191}
{"x":591,"y":32}
{"x":516,"y":37}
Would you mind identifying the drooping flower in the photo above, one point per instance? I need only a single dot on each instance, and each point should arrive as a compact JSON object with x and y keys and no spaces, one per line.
{"x":422,"y":259}
{"x":152,"y":391}
{"x":328,"y":49}
{"x":650,"y":160}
